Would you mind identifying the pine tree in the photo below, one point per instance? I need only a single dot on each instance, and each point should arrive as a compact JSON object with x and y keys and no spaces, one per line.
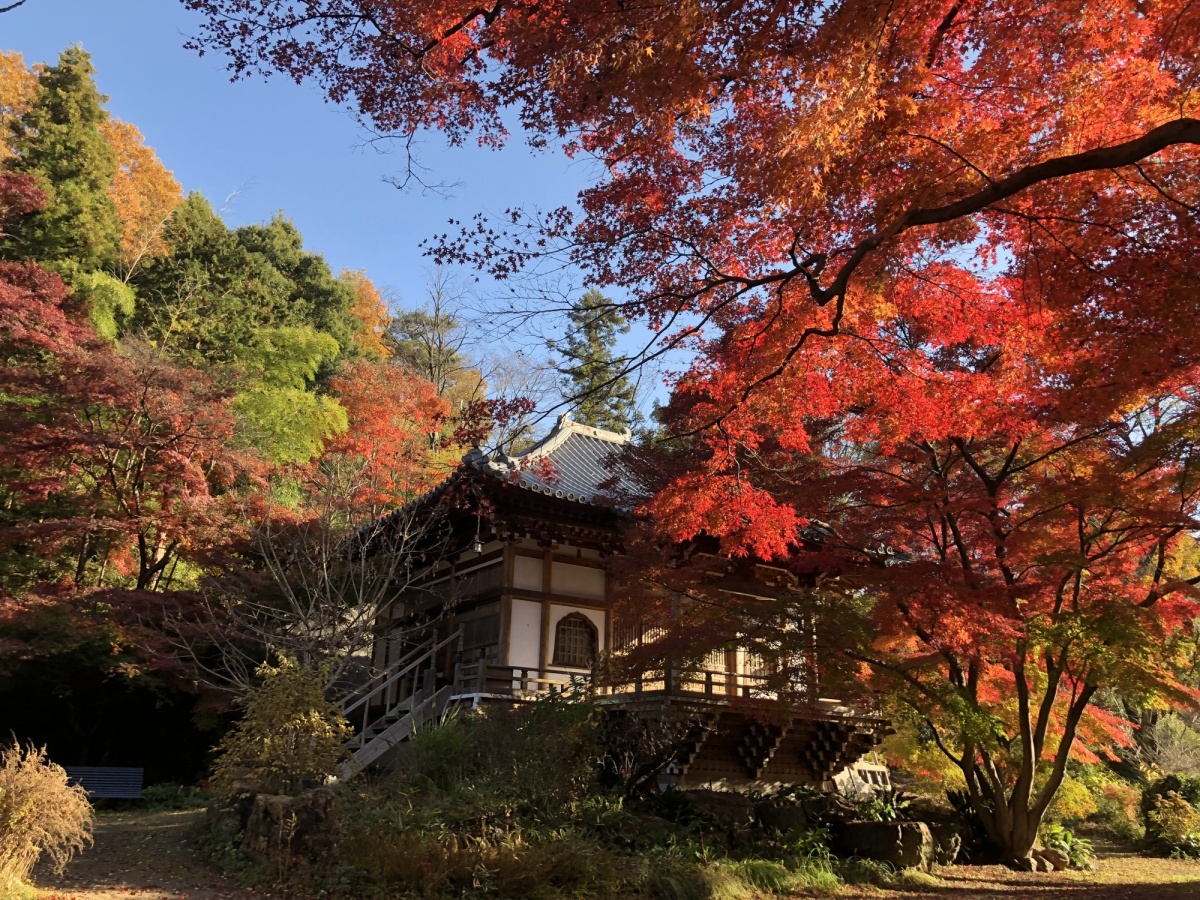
{"x":592,"y":378}
{"x":58,"y":141}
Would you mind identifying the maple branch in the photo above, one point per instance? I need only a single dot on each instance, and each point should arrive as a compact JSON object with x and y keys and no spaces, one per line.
{"x":1179,"y":131}
{"x":942,"y":30}
{"x":1195,"y":210}
{"x":12,"y":6}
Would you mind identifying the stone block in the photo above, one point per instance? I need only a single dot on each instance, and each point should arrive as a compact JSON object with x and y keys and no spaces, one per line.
{"x":904,"y":845}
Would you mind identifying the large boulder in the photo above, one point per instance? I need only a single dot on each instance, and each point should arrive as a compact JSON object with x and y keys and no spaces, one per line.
{"x":281,"y":828}
{"x":725,"y":808}
{"x":905,"y":845}
{"x":1057,"y":859}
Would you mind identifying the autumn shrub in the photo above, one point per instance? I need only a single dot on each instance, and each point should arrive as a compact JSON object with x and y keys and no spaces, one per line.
{"x":41,"y":813}
{"x":1073,"y":802}
{"x":1118,"y":807}
{"x":1173,"y":825}
{"x":290,"y":738}
{"x":541,"y":756}
{"x":507,"y":803}
{"x":1186,"y":787}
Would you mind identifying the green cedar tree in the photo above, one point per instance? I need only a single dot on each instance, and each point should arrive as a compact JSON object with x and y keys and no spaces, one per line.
{"x":592,"y":378}
{"x":58,"y":141}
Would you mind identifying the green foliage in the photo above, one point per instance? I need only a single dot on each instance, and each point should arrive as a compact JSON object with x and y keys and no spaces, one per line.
{"x":809,"y":844}
{"x":300,"y":287}
{"x":277,"y":413}
{"x":287,"y":425}
{"x":197,"y":301}
{"x":883,"y":806}
{"x":1078,"y":850}
{"x":776,"y":878}
{"x":591,"y":374}
{"x":540,"y":758}
{"x":286,"y":356}
{"x":506,"y":803}
{"x":59,"y":142}
{"x":211,"y":297}
{"x":168,"y":795}
{"x":1186,"y":787}
{"x":291,"y":738}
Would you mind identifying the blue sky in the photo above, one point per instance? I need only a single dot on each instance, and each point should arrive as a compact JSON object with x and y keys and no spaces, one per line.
{"x":256,"y":147}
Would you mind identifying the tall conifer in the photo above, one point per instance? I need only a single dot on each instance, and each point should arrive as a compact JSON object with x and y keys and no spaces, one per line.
{"x":58,"y":141}
{"x":592,"y":378}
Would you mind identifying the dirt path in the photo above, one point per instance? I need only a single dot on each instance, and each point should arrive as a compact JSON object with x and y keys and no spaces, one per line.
{"x":147,"y":855}
{"x":1122,"y":877}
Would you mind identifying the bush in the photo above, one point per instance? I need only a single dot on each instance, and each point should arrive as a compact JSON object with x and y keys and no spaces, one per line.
{"x":1073,"y":802}
{"x":291,"y":738}
{"x":169,"y":795}
{"x":1118,"y":810}
{"x":1185,"y":787}
{"x":40,"y":813}
{"x":540,"y":757}
{"x":1078,"y":850}
{"x":1173,"y":824}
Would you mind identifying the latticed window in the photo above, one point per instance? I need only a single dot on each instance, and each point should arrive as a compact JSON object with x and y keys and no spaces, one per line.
{"x":575,"y":641}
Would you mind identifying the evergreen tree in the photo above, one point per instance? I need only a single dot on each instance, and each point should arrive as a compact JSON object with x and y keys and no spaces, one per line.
{"x":601,"y":396}
{"x":58,"y":141}
{"x":199,"y":301}
{"x":299,"y":287}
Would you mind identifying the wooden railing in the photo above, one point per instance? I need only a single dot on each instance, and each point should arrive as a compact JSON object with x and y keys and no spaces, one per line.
{"x":481,"y":677}
{"x":715,"y":683}
{"x":415,"y":670}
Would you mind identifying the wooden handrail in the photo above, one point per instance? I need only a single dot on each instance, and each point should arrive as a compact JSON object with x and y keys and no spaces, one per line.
{"x":357,"y":696}
{"x":428,"y":657}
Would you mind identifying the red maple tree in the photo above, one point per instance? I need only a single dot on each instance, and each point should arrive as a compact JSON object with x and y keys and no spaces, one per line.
{"x":937,"y":263}
{"x":394,"y":435}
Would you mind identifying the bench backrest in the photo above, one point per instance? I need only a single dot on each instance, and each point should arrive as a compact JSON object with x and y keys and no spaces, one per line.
{"x":109,"y":782}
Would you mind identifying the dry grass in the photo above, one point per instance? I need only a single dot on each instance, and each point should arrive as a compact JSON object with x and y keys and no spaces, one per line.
{"x":40,"y":813}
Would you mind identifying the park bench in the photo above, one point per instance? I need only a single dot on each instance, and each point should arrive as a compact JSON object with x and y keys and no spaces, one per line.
{"x":108,"y":782}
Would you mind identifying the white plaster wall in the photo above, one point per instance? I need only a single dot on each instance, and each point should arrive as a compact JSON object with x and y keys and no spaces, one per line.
{"x":597,"y":617}
{"x":525,"y":633}
{"x":577,"y":581}
{"x":527,"y":573}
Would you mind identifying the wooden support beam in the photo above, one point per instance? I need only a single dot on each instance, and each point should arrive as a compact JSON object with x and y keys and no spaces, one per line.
{"x":547,"y":589}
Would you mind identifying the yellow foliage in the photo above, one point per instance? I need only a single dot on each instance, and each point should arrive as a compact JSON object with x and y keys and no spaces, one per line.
{"x":290,"y":739}
{"x":1173,"y":819}
{"x":17,"y":86}
{"x":1073,"y":802}
{"x":370,"y":312}
{"x":906,"y":749}
{"x":144,"y":192}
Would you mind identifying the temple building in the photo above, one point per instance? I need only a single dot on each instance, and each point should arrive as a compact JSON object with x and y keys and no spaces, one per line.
{"x":521,"y":603}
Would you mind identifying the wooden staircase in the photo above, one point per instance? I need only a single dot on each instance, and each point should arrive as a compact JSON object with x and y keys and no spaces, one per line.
{"x":395,"y":703}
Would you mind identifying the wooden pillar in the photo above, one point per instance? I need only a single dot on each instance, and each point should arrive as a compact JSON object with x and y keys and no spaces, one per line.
{"x":506,"y":602}
{"x":547,"y":586}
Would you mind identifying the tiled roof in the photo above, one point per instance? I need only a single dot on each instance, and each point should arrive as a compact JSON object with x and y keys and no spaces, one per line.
{"x":574,"y":461}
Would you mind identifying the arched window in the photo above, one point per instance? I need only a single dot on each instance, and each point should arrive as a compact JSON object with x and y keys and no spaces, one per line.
{"x":575,"y":642}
